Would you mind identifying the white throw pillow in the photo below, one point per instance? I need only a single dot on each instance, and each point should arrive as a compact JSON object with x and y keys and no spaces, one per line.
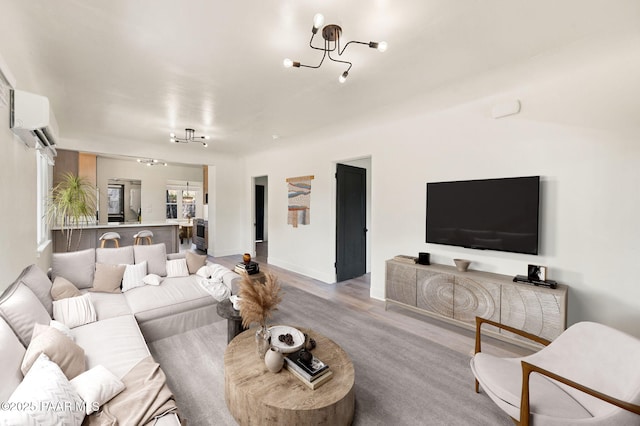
{"x":203,"y":272}
{"x":97,"y":386}
{"x":152,"y":279}
{"x":74,"y":311}
{"x":44,"y":396}
{"x":134,"y":275}
{"x":62,"y":329}
{"x":177,"y":268}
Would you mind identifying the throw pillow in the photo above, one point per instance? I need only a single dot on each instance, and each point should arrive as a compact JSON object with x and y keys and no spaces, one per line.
{"x":152,"y":279}
{"x":59,"y":349}
{"x":133,"y":276}
{"x":108,"y":278}
{"x":39,"y":328}
{"x":115,"y":256}
{"x":97,"y":386}
{"x":63,"y":288}
{"x":203,"y":272}
{"x":78,"y":267}
{"x":39,"y":283}
{"x":195,"y":261}
{"x":44,"y":388}
{"x":155,"y":255}
{"x":74,"y":311}
{"x":177,"y":268}
{"x":21,"y":309}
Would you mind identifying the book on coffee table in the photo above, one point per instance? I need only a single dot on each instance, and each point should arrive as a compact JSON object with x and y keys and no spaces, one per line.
{"x":319,"y":380}
{"x":309,"y":370}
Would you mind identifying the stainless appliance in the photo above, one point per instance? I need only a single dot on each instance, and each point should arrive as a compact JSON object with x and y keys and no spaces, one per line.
{"x":201,"y":234}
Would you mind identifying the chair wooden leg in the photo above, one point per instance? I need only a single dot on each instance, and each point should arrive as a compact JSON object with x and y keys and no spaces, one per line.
{"x":117,"y":243}
{"x":477,"y":386}
{"x":102,"y":243}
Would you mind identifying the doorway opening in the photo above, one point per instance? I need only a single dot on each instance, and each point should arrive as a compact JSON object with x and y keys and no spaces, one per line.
{"x":261,"y":218}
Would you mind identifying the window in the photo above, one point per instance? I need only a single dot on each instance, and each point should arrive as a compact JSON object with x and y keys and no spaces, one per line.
{"x":181,"y":201}
{"x":43,"y":171}
{"x":172,"y":204}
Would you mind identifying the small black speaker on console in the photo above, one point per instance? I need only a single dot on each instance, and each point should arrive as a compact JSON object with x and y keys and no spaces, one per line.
{"x":423,"y":258}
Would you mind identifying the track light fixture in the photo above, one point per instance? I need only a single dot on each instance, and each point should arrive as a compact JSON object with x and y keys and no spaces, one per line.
{"x":151,"y":162}
{"x":190,"y":136}
{"x":331,"y":34}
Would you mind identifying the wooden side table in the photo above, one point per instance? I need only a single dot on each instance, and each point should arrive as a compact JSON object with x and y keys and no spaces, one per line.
{"x":254,"y":395}
{"x":234,"y":319}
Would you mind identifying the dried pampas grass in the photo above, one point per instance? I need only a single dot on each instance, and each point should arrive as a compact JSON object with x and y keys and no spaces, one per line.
{"x":258,"y":300}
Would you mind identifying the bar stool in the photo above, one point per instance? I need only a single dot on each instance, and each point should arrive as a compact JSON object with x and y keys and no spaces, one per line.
{"x":141,"y":236}
{"x":110,"y":236}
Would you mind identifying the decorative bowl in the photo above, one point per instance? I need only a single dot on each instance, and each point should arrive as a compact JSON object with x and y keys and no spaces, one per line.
{"x":277,"y":330}
{"x":462,"y":264}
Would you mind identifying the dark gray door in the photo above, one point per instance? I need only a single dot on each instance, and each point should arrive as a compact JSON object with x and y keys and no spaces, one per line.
{"x":259,"y":212}
{"x":351,"y":222}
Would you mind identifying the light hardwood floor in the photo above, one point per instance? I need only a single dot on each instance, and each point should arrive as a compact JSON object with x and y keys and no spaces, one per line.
{"x":354,"y":294}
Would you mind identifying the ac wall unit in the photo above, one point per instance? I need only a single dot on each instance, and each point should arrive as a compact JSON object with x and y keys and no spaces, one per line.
{"x":32,"y":120}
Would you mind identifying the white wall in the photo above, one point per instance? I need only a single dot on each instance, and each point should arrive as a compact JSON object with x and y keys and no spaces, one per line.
{"x":18,"y":246}
{"x":153,"y":179}
{"x":590,"y":194}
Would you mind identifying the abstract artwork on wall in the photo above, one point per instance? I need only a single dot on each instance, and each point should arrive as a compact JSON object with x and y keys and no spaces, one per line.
{"x":299,"y":200}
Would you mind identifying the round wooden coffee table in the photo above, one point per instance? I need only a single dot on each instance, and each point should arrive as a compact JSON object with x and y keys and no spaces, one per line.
{"x":254,"y":395}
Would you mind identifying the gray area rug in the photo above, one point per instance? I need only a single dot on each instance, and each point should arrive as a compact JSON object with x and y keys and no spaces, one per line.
{"x":401,"y":379}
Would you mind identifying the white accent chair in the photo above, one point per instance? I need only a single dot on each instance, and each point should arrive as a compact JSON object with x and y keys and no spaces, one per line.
{"x":589,"y":375}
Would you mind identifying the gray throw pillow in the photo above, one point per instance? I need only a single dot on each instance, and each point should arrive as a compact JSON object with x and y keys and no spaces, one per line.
{"x":40,"y":284}
{"x":21,"y":309}
{"x":115,"y":256}
{"x":155,"y":255}
{"x":78,"y":267}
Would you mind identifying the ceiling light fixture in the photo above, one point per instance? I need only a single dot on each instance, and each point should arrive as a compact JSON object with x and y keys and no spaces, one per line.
{"x":331,"y":34}
{"x":151,"y":162}
{"x":190,"y":136}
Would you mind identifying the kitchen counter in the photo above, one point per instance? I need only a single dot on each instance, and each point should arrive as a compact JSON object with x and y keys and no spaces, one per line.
{"x":163,"y":232}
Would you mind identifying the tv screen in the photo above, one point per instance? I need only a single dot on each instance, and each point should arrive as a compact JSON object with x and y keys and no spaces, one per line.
{"x":488,"y":214}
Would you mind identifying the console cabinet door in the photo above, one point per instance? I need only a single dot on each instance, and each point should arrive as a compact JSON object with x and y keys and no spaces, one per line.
{"x":401,"y":283}
{"x":435,"y":292}
{"x":476,"y":297}
{"x":538,"y":311}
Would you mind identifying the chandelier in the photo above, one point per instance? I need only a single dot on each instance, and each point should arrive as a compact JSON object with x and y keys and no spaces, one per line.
{"x":331,"y":34}
{"x":190,"y":136}
{"x":151,"y":162}
{"x":187,"y":198}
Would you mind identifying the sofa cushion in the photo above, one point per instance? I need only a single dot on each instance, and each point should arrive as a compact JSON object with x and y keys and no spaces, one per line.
{"x":40,"y":284}
{"x":108,"y":278}
{"x":116,"y":343}
{"x":174,"y":295}
{"x":62,"y":288}
{"x":115,"y":256}
{"x":59,"y":348}
{"x":74,"y":311}
{"x":11,"y":356}
{"x":177,"y":268}
{"x":195,"y":261}
{"x":78,"y":267}
{"x":109,"y":305}
{"x":46,"y":386}
{"x":155,"y":255}
{"x":97,"y":386}
{"x":22,"y":309}
{"x":134,"y":275}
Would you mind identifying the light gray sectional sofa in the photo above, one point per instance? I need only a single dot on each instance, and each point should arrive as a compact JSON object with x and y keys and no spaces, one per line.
{"x":124,"y":321}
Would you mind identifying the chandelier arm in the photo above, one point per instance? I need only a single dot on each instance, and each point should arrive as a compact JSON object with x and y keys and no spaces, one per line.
{"x":321,"y":48}
{"x":340,"y":52}
{"x":341,"y":61}
{"x":321,"y":60}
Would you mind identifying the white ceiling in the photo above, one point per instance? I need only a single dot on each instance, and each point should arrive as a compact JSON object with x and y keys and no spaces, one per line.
{"x":122,"y":74}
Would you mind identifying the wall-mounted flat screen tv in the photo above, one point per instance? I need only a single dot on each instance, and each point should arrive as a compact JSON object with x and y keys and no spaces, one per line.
{"x":488,"y":214}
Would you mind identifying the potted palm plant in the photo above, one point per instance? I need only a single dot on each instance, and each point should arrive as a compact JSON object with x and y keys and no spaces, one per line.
{"x":71,"y":204}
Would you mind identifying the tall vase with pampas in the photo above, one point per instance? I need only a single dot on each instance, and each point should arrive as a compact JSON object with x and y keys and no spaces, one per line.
{"x":258,"y":303}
